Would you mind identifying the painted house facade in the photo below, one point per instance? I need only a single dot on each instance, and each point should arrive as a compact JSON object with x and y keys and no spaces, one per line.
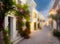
{"x":10,"y":19}
{"x":42,"y":20}
{"x":55,"y":7}
{"x":10,"y":24}
{"x":33,"y":13}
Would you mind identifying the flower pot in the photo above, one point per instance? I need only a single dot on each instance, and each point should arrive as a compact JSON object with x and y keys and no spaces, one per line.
{"x":26,"y":37}
{"x":59,"y":38}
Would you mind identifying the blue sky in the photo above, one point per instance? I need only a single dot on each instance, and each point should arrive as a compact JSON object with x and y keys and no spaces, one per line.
{"x":43,"y":6}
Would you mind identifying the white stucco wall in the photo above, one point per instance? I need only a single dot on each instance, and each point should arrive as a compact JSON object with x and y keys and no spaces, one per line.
{"x":31,"y":5}
{"x":23,"y":1}
{"x":13,"y":31}
{"x":54,"y":24}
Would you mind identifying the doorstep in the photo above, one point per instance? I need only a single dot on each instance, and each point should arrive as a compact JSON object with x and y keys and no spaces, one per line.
{"x":17,"y":40}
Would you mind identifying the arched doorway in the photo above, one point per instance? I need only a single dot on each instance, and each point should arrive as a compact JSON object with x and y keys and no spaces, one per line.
{"x":10,"y":23}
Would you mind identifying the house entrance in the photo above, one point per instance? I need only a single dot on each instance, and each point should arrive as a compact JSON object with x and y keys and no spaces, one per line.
{"x":10,"y":23}
{"x":34,"y":25}
{"x":10,"y":26}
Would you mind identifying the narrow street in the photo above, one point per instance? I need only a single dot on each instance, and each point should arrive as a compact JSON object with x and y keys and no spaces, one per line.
{"x":20,"y":17}
{"x":43,"y":36}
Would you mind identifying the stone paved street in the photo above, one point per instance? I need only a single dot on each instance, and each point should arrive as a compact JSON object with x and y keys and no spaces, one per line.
{"x":43,"y":36}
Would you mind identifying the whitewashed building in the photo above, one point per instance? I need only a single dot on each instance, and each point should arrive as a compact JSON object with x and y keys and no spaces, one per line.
{"x":10,"y":24}
{"x":10,"y":19}
{"x":55,"y":7}
{"x":33,"y":13}
{"x":41,"y":19}
{"x":34,"y":20}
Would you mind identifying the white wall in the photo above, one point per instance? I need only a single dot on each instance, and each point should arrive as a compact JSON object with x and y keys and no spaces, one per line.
{"x":54,"y":24}
{"x":31,"y":5}
{"x":13,"y":27}
{"x":23,"y":1}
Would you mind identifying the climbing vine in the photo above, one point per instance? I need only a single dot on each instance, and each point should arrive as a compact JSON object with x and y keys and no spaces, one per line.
{"x":20,"y":12}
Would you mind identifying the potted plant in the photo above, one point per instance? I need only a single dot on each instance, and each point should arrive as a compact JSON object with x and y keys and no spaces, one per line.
{"x":56,"y":34}
{"x":27,"y":30}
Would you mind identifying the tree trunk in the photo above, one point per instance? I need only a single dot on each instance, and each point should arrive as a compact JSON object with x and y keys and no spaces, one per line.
{"x":52,"y":24}
{"x":57,"y":25}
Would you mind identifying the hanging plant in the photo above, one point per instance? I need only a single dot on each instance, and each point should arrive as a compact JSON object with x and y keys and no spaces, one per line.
{"x":23,"y":10}
{"x":19,"y":24}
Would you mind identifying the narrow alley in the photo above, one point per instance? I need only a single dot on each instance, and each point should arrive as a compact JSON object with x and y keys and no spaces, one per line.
{"x":43,"y":36}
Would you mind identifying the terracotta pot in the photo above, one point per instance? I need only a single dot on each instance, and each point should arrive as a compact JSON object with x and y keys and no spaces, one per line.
{"x":59,"y":38}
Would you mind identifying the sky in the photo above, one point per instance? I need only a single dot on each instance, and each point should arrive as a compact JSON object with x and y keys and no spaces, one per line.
{"x":43,"y":6}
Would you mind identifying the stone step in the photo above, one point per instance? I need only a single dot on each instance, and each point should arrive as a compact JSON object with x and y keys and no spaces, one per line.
{"x":17,"y":40}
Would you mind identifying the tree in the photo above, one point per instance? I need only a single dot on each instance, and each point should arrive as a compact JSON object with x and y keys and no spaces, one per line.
{"x":56,"y":17}
{"x":5,"y":6}
{"x":21,"y":12}
{"x":24,"y":13}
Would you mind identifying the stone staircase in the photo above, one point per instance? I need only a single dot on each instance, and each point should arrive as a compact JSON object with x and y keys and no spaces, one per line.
{"x":15,"y":41}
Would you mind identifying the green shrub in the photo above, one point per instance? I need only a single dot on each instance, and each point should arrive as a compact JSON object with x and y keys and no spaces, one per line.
{"x":56,"y":33}
{"x":25,"y":33}
{"x":6,"y":37}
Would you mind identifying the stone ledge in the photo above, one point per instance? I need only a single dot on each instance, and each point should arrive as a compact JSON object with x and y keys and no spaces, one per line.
{"x":17,"y":40}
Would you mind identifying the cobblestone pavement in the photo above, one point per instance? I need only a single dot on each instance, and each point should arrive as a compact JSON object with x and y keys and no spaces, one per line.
{"x":43,"y":36}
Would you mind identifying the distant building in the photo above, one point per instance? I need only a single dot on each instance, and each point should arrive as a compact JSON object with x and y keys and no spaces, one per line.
{"x":41,"y":19}
{"x":34,"y":20}
{"x":56,"y":3}
{"x":53,"y":11}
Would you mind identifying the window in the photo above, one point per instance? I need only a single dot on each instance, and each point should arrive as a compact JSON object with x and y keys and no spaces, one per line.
{"x":35,"y":14}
